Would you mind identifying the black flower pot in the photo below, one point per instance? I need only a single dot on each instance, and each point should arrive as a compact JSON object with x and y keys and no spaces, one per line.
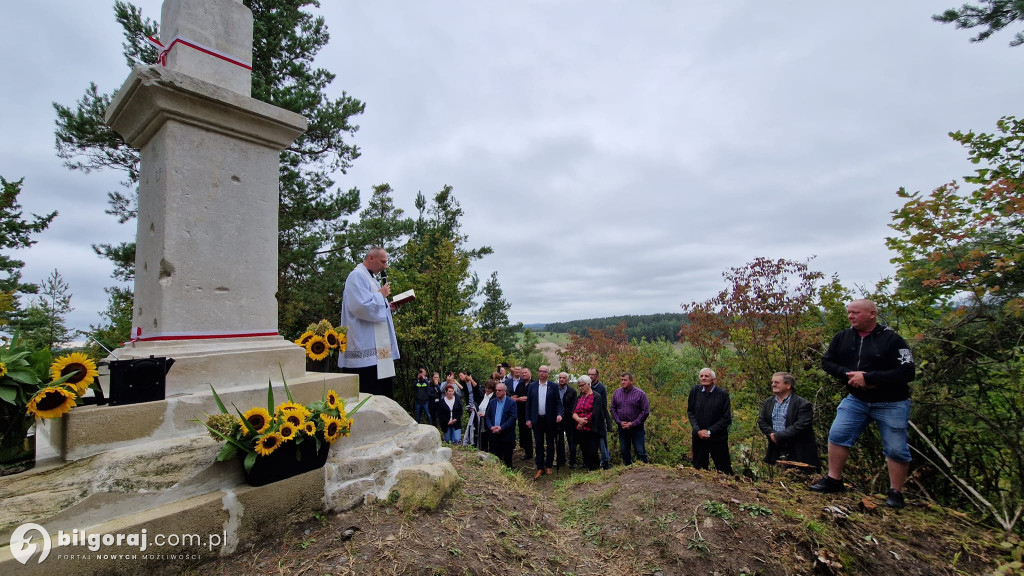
{"x":290,"y":459}
{"x":318,"y":365}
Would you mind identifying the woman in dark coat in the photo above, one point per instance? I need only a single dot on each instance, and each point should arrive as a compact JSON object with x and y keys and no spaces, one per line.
{"x":450,"y":415}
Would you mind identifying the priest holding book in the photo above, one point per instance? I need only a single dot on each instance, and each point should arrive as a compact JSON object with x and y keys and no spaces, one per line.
{"x":365,"y":311}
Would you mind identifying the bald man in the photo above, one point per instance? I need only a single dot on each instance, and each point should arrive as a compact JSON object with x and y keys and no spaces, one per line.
{"x":876,"y":366}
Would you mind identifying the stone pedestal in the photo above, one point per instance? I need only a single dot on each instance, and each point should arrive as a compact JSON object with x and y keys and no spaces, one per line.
{"x":206,"y":253}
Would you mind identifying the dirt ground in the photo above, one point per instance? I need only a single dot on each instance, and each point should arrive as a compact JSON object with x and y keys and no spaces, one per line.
{"x":639,"y":520}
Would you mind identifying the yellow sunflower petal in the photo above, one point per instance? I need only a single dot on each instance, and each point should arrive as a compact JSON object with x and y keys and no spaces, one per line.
{"x":259,"y":418}
{"x":332,"y":399}
{"x":266,"y":445}
{"x":332,"y":428}
{"x":51,"y":402}
{"x":302,"y":340}
{"x":317,"y":348}
{"x":287,"y":431}
{"x":83,"y":367}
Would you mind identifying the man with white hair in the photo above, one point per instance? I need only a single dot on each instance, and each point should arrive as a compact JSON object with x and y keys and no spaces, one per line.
{"x":710,"y":412}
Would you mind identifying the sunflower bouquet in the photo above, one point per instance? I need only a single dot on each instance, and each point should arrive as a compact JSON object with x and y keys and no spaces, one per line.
{"x":322,"y":339}
{"x":32,"y":385}
{"x":260,"y":432}
{"x":24,"y":390}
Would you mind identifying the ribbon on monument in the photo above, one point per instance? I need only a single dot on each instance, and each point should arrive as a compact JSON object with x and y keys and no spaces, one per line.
{"x":163,"y":50}
{"x":170,"y":336}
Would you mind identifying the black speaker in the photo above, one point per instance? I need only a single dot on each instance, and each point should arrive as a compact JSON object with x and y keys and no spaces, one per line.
{"x":138,"y":380}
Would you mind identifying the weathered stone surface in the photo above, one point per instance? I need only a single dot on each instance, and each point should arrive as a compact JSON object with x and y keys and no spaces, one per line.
{"x":224,"y":25}
{"x":393,"y":442}
{"x":424,"y":485}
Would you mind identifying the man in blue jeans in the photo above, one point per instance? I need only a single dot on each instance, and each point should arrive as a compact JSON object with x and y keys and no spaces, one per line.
{"x":877,"y":367}
{"x":630,"y":409}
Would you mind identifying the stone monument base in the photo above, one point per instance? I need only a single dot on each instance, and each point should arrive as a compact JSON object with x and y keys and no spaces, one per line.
{"x":174,"y":486}
{"x":200,"y":363}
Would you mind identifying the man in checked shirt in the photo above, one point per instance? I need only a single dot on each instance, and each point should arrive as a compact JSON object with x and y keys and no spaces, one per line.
{"x":630,"y":410}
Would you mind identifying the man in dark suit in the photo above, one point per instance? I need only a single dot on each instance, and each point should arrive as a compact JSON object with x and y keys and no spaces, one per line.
{"x":500,"y":419}
{"x":599,"y":388}
{"x":567,"y":428}
{"x":787,"y":421}
{"x":520,"y":386}
{"x":543,"y":415}
{"x":709,"y":410}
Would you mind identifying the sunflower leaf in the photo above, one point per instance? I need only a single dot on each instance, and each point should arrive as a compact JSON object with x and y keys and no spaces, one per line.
{"x":358,"y":406}
{"x":286,"y":390}
{"x":248,"y":425}
{"x":220,"y":404}
{"x":250,"y":459}
{"x":270,"y":397}
{"x":227,"y":452}
{"x":8,"y":393}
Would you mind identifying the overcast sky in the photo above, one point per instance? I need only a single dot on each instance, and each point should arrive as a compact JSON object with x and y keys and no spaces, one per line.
{"x":617,"y":156}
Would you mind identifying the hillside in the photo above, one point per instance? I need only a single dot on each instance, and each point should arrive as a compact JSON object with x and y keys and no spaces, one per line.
{"x":641,"y":520}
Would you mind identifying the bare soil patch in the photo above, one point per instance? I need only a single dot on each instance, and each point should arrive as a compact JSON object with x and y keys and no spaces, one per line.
{"x":638,"y":520}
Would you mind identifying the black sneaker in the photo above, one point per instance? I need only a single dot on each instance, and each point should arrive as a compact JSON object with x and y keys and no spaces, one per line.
{"x":828,"y":485}
{"x":895,"y":499}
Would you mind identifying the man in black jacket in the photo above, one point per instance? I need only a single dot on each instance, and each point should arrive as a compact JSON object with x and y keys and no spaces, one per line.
{"x":567,"y":426}
{"x":787,"y":421}
{"x":421,"y":400}
{"x":709,"y":410}
{"x":877,"y":367}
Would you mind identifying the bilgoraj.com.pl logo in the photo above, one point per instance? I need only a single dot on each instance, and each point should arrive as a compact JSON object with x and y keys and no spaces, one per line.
{"x":22,"y":546}
{"x":28,"y":539}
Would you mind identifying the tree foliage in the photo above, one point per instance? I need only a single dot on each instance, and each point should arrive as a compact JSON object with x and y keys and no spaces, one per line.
{"x":16,"y":233}
{"x":992,"y":15}
{"x":493,"y":318}
{"x":649,"y":326}
{"x":44,"y":324}
{"x":961,"y":286}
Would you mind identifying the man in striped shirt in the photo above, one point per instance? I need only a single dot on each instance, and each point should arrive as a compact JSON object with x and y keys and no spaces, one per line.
{"x":630,"y":409}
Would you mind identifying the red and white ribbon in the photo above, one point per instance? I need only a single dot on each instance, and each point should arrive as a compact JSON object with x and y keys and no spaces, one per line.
{"x":170,"y":336}
{"x":163,"y":50}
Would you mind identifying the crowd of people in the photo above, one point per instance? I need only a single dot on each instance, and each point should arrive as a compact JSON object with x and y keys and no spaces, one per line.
{"x":554,"y":422}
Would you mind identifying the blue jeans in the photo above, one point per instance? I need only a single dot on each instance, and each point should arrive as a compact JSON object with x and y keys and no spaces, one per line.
{"x":635,"y":437}
{"x":606,"y":456}
{"x":419,"y":408}
{"x":453,"y":434}
{"x":854,"y":415}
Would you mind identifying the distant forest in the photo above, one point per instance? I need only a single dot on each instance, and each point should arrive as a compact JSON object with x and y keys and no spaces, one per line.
{"x":650,"y":326}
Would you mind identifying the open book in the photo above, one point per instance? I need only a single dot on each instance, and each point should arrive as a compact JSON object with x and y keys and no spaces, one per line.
{"x":404,"y":297}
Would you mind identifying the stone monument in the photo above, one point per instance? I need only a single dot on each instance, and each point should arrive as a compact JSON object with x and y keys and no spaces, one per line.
{"x":206,"y":252}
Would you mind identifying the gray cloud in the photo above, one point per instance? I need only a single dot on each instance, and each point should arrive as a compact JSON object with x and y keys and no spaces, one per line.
{"x":617,"y":156}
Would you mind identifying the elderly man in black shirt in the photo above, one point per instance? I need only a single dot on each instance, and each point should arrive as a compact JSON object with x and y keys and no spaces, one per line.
{"x":710,"y":412}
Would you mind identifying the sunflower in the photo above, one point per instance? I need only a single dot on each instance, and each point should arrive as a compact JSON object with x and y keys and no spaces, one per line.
{"x":259,"y":418}
{"x":3,"y":369}
{"x":82,"y":365}
{"x":332,"y":399}
{"x":302,"y":340}
{"x":342,"y":342}
{"x":51,"y":402}
{"x":287,"y":431}
{"x":286,"y":408}
{"x":266,"y":445}
{"x":295,"y":418}
{"x":317,"y":348}
{"x":332,"y":428}
{"x":309,"y":428}
{"x":332,"y":338}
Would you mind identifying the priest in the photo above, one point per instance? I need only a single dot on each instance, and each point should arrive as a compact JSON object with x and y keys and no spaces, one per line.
{"x":365,"y":311}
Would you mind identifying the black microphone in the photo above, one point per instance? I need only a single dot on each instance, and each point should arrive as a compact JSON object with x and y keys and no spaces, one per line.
{"x":383,"y":277}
